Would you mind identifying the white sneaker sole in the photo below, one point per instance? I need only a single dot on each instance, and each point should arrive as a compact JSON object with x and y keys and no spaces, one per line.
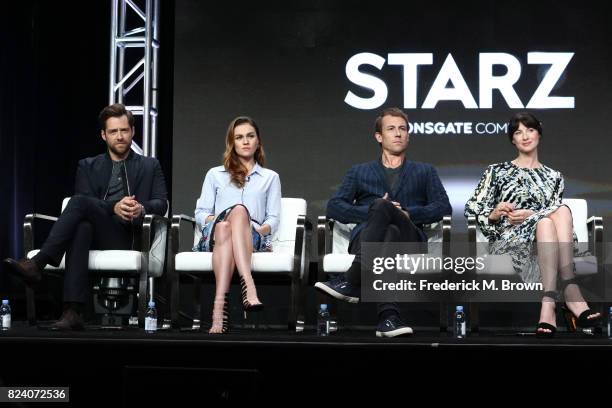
{"x":324,"y":288}
{"x":403,"y":331}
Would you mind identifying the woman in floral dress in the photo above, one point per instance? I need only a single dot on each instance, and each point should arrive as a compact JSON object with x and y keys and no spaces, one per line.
{"x":517,"y":204}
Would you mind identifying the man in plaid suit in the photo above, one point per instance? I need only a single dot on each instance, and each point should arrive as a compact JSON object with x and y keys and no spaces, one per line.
{"x":390,"y":200}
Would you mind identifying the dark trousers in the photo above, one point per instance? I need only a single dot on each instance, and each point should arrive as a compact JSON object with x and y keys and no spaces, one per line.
{"x":385,"y":223}
{"x":83,"y":225}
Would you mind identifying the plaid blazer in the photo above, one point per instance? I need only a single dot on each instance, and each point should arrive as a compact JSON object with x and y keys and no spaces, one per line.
{"x":418,"y":190}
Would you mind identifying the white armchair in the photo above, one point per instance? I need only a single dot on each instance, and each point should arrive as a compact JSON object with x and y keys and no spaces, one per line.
{"x":589,"y":232}
{"x":333,"y":240}
{"x":144,"y":264}
{"x":288,"y":259}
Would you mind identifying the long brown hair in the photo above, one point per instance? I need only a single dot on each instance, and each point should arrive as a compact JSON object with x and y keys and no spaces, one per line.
{"x":231,"y":162}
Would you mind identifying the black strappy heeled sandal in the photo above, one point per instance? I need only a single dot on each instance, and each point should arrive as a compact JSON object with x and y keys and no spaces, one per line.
{"x":547,"y":326}
{"x":246,"y":305}
{"x":582,"y":322}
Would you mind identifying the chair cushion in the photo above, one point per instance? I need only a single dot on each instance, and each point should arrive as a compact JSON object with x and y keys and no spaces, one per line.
{"x":112,"y":260}
{"x":341,"y":236}
{"x":337,"y":263}
{"x":502,"y":265}
{"x":579,"y":216}
{"x":270,"y":262}
{"x":283,"y":240}
{"x":340,"y":263}
{"x":586,"y":265}
{"x":339,"y":260}
{"x":496,"y":265}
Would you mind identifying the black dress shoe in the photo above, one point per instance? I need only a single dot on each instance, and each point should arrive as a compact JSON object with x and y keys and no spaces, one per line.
{"x":25,"y":268}
{"x":70,"y":320}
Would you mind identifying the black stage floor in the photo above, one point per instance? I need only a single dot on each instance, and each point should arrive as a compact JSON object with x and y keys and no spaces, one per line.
{"x":130,"y":367}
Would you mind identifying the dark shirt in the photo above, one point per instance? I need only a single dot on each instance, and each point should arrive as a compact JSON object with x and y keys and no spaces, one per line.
{"x":392,"y":176}
{"x":117,"y":185}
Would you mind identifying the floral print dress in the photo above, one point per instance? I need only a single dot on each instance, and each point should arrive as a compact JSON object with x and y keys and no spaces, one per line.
{"x":539,"y":190}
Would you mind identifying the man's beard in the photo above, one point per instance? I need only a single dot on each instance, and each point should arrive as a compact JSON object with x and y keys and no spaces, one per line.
{"x":118,"y":152}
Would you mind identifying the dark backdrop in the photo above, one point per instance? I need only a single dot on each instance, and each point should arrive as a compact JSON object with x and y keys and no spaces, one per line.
{"x":53,"y":83}
{"x":285,"y":66}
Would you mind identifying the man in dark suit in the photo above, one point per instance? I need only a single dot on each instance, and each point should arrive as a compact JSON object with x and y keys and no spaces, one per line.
{"x":389,"y":199}
{"x":113,"y":192}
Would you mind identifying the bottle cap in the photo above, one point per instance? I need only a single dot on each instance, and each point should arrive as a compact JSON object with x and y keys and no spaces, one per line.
{"x":5,"y":302}
{"x":151,"y":304}
{"x":459,"y":309}
{"x":323,"y":306}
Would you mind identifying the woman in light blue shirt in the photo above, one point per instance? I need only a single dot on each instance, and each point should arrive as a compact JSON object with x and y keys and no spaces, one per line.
{"x":238,"y":211}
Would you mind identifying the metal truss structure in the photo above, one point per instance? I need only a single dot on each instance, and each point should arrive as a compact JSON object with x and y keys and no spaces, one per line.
{"x":134,"y":60}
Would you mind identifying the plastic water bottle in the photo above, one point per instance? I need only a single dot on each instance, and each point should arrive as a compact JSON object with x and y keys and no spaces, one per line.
{"x":5,"y":315}
{"x":610,"y":323}
{"x":459,"y":322}
{"x":323,"y":321}
{"x":151,"y":318}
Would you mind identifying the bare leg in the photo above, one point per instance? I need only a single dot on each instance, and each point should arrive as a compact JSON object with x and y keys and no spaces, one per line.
{"x":223,"y":266}
{"x":562,"y":218}
{"x":242,"y":244}
{"x":548,"y":260}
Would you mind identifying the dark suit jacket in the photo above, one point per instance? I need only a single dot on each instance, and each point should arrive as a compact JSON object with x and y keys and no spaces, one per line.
{"x":418,"y":190}
{"x":144,"y":175}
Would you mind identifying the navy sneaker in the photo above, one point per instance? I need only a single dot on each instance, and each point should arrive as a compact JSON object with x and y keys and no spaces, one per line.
{"x":339,"y":289}
{"x":392,"y":326}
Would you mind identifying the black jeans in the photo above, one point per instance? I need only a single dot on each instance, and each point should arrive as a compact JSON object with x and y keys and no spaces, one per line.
{"x":83,"y":225}
{"x":385,"y":223}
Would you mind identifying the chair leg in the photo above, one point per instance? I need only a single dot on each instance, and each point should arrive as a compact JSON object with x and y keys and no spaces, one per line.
{"x":30,"y":305}
{"x":474,"y":317}
{"x":197,"y":303}
{"x":142,"y":297}
{"x":292,"y":318}
{"x":443,"y":318}
{"x":174,"y":299}
{"x":300,"y":321}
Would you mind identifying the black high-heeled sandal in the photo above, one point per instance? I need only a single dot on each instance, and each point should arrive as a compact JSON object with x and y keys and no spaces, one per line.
{"x":246,"y":305}
{"x":221,"y":318}
{"x":547,"y":326}
{"x":588,"y":326}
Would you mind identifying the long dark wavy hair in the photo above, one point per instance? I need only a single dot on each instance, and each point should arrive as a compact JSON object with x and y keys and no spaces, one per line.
{"x":231,"y":162}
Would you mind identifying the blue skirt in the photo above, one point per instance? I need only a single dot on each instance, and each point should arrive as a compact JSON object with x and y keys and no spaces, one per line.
{"x":207,"y":242}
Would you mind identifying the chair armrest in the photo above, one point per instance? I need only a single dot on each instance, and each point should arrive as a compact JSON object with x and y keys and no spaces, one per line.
{"x":175,"y":230}
{"x":325,"y":229}
{"x":595,"y":229}
{"x":28,"y":229}
{"x":447,"y":225}
{"x":149,"y":226}
{"x":42,"y":217}
{"x":324,"y":235}
{"x":184,"y":217}
{"x":308,"y":249}
{"x":441,"y":228}
{"x":154,"y":243}
{"x":300,"y":254}
{"x":472,"y":226}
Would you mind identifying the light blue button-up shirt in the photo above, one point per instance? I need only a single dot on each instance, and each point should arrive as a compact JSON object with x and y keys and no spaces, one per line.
{"x":261,"y":195}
